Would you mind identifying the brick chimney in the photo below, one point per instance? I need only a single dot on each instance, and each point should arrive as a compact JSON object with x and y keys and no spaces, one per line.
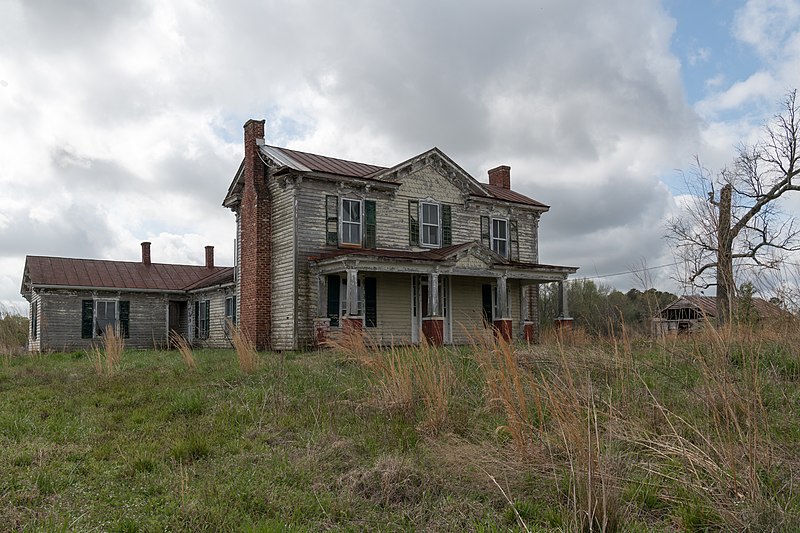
{"x":209,"y":257}
{"x":500,"y":177}
{"x":255,"y":283}
{"x":145,"y":253}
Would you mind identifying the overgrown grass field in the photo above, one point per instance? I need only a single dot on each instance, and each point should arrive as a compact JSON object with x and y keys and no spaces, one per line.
{"x":695,"y":434}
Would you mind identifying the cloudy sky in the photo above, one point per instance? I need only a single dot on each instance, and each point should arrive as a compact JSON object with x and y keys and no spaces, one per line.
{"x":122,"y":121}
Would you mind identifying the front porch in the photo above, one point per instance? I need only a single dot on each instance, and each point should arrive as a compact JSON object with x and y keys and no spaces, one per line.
{"x":445,"y":295}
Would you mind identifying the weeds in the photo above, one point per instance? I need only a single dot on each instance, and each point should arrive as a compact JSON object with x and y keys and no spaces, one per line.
{"x":246,"y":353}
{"x":108,"y":358}
{"x":183,"y":347}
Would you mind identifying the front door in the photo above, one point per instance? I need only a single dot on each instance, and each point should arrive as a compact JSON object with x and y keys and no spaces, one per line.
{"x":177,"y":319}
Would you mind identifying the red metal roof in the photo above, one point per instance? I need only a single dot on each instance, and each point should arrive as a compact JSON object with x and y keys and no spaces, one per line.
{"x":70,"y":272}
{"x":331,"y":165}
{"x":508,"y":195}
{"x":708,"y":306}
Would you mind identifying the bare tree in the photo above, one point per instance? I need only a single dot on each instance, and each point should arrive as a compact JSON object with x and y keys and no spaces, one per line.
{"x":741,"y":225}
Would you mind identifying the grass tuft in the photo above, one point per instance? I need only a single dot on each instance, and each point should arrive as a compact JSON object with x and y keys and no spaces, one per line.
{"x":108,"y":358}
{"x":246,"y":353}
{"x":184,"y":348}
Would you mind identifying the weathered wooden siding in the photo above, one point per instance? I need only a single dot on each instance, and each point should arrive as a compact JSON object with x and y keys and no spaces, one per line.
{"x":60,"y":319}
{"x":394,"y":309}
{"x":34,"y":345}
{"x":283,"y":267}
{"x":217,"y":333}
{"x":391,"y":232}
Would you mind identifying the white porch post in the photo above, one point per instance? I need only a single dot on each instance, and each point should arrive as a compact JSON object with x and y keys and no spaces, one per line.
{"x":322,"y":297}
{"x":352,"y":292}
{"x":502,"y":298}
{"x":563,"y":308}
{"x":524,"y":305}
{"x":433,"y":294}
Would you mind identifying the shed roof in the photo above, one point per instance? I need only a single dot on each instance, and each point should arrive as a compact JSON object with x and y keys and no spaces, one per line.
{"x":98,"y":273}
{"x":708,"y":306}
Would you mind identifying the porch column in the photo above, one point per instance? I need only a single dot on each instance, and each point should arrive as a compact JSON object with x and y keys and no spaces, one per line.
{"x":433,"y":325}
{"x":352,"y":322}
{"x":503,"y":325}
{"x":524,"y":313}
{"x":530,"y":321}
{"x":563,"y":322}
{"x":322,"y":323}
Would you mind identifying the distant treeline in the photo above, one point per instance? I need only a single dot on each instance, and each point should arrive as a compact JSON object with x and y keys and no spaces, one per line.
{"x":600,"y":309}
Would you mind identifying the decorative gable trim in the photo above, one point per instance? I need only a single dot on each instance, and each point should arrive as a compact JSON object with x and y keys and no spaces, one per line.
{"x":437,"y":160}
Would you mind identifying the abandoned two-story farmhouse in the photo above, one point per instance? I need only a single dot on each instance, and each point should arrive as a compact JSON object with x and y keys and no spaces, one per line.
{"x":324,"y":245}
{"x":420,"y":248}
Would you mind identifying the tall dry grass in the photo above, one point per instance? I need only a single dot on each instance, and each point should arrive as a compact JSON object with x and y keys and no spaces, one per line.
{"x":107,"y":355}
{"x":404,"y":378}
{"x":13,"y":332}
{"x":184,"y":348}
{"x":246,"y":353}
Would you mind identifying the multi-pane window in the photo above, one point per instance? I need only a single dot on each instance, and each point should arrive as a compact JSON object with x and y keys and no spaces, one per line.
{"x":500,"y":236}
{"x":201,"y":319}
{"x":351,"y":221}
{"x":105,"y":316}
{"x":230,"y":309}
{"x":34,"y":320}
{"x":431,"y":224}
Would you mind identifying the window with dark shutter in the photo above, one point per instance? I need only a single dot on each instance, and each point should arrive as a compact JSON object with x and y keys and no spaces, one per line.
{"x":369,"y":221}
{"x":34,"y":320}
{"x":87,"y":319}
{"x":370,"y":302}
{"x":486,"y":303}
{"x":334,"y":288}
{"x":485,"y":231}
{"x":413,"y":222}
{"x":514,"y":240}
{"x":447,"y":226}
{"x":331,"y":220}
{"x":124,"y":318}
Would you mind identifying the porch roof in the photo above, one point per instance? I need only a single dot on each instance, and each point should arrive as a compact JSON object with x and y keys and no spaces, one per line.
{"x":466,"y":259}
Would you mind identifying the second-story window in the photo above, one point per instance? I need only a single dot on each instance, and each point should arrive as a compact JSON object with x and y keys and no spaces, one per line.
{"x":431,"y":224}
{"x":351,"y":222}
{"x":500,"y":236}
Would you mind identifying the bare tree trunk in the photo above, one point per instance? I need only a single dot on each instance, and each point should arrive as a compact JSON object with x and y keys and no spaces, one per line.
{"x":725,"y":286}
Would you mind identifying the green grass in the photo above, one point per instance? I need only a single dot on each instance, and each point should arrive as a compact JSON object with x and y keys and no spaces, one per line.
{"x":306,"y":442}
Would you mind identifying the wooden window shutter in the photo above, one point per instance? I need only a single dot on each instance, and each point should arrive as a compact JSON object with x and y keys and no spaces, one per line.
{"x":485,"y":236}
{"x":331,"y":220}
{"x":87,"y":319}
{"x":370,"y":226}
{"x":413,"y":222}
{"x":370,"y":302}
{"x":513,"y":241}
{"x":208,"y":319}
{"x":124,"y":318}
{"x":447,"y":226}
{"x":334,"y":287}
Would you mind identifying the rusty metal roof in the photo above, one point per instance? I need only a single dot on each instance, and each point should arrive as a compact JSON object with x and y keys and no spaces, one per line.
{"x":508,"y":195}
{"x":97,"y":273}
{"x":330,"y":165}
{"x":708,"y":306}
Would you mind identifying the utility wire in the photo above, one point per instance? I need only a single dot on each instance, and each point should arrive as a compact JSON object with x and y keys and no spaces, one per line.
{"x":634,"y":271}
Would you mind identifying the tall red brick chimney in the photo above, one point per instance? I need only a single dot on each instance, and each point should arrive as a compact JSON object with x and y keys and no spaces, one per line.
{"x":145,"y":253}
{"x":255,"y":284}
{"x":209,"y":257}
{"x":500,"y":177}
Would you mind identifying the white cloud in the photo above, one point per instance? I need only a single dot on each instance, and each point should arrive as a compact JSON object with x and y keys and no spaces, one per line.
{"x":122,"y":122}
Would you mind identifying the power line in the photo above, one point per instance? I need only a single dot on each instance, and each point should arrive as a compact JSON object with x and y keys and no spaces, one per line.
{"x":634,"y":271}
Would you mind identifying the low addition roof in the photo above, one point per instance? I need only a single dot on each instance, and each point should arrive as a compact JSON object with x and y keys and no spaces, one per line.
{"x":54,"y":272}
